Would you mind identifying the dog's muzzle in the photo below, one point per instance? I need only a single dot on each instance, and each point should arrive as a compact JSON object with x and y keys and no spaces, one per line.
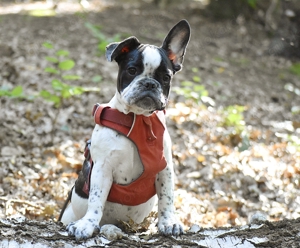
{"x":150,"y":96}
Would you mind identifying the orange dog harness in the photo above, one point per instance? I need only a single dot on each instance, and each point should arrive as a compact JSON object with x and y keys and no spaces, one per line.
{"x":147,"y":134}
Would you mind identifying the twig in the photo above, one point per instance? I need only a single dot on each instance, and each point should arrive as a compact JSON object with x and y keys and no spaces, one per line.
{"x":9,"y":201}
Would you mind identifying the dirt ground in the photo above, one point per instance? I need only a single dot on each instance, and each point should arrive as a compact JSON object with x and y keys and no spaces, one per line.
{"x":222,"y":177}
{"x":24,"y":233}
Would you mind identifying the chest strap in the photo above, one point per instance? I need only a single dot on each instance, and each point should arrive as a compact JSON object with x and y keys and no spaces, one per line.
{"x":106,"y":116}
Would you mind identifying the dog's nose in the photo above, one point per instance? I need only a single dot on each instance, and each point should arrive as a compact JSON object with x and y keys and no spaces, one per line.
{"x":149,"y":85}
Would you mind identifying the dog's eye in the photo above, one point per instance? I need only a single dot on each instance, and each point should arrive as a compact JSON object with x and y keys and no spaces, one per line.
{"x":131,"y":71}
{"x":167,"y":78}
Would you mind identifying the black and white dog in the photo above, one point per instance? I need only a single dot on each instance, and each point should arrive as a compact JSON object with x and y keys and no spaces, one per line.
{"x":129,"y":160}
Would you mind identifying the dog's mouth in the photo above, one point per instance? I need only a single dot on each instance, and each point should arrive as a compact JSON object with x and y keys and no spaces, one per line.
{"x":150,"y":102}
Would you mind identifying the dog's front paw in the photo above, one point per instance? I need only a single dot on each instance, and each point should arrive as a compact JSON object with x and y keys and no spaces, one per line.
{"x":111,"y":232}
{"x":169,"y":226}
{"x":83,"y":228}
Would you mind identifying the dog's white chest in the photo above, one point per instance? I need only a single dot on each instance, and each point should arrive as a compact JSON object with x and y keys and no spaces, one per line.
{"x":121,"y":153}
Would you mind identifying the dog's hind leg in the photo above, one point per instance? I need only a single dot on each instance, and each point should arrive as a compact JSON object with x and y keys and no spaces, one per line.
{"x":77,"y":193}
{"x":75,"y":210}
{"x":66,"y":207}
{"x":68,"y":215}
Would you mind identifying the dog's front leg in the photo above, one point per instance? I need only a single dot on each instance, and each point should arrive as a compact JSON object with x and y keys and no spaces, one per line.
{"x":101,"y":181}
{"x":167,"y":221}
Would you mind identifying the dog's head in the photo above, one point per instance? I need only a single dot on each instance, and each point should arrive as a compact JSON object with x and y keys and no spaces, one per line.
{"x":146,"y":71}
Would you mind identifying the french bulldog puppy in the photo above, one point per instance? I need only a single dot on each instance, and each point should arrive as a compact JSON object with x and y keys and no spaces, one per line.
{"x":128,"y":160}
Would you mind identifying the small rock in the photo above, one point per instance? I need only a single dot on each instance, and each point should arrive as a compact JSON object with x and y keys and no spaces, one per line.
{"x":194,"y":229}
{"x":258,"y":218}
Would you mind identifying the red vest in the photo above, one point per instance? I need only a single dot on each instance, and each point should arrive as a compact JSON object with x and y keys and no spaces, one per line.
{"x":147,"y":134}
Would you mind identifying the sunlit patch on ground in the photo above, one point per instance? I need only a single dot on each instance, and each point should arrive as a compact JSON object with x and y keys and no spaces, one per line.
{"x":51,"y":8}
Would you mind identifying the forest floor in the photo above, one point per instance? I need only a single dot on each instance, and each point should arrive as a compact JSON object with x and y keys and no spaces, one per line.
{"x":230,"y":161}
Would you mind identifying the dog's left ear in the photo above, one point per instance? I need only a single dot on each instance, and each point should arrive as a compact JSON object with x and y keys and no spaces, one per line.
{"x":116,"y":49}
{"x":176,"y":42}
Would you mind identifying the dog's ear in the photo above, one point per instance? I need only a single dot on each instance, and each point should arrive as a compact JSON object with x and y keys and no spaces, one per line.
{"x":113,"y":50}
{"x":176,"y":42}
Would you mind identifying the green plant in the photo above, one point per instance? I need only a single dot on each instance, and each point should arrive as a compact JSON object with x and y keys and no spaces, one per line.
{"x":295,"y":68}
{"x":193,"y":90}
{"x":60,"y":66}
{"x":233,"y":117}
{"x":252,"y":3}
{"x":16,"y":92}
{"x":102,"y":38}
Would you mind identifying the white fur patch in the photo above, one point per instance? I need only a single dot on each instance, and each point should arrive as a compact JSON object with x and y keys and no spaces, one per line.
{"x":151,"y":60}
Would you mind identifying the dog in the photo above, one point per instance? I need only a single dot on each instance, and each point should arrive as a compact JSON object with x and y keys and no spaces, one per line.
{"x":128,"y":161}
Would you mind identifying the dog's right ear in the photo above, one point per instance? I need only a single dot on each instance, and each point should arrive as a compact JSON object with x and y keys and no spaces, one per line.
{"x":113,"y":50}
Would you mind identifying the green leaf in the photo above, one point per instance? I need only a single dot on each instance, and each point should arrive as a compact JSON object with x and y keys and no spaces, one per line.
{"x":48,"y":45}
{"x":51,"y":70}
{"x":45,"y":94}
{"x":50,"y":97}
{"x":233,"y":117}
{"x":66,"y":93}
{"x":51,"y":59}
{"x":295,"y":68}
{"x":95,"y":30}
{"x":201,"y":90}
{"x":3,"y":92}
{"x":78,"y":90}
{"x":102,"y":46}
{"x":58,"y":85}
{"x":71,"y":77}
{"x":66,"y":65}
{"x":55,"y":99}
{"x":196,"y":79}
{"x":97,"y":79}
{"x":72,"y":91}
{"x":17,"y":91}
{"x":252,"y":3}
{"x":187,"y":84}
{"x":62,"y":53}
{"x":194,"y":69}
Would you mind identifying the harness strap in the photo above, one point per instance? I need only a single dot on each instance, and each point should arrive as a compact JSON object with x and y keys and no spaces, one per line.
{"x":107,"y":116}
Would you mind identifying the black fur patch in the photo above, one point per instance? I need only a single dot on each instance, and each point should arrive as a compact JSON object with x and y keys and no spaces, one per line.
{"x":82,"y":178}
